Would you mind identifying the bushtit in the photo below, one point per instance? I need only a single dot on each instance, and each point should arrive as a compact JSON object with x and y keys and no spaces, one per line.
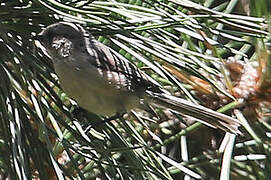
{"x":103,"y":82}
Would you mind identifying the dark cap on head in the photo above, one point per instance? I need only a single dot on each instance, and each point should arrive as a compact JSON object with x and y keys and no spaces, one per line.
{"x":61,"y":29}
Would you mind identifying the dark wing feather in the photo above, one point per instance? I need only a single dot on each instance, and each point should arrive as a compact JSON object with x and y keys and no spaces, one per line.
{"x":119,"y":71}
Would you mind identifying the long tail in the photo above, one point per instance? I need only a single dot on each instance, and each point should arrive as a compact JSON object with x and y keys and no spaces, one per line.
{"x":202,"y":114}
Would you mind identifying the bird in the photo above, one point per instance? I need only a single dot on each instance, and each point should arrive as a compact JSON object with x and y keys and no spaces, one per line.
{"x":103,"y":82}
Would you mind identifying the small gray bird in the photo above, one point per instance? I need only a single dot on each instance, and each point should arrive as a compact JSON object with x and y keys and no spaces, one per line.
{"x":105,"y":83}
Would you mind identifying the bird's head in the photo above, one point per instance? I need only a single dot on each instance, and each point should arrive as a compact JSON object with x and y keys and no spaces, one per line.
{"x":58,"y":39}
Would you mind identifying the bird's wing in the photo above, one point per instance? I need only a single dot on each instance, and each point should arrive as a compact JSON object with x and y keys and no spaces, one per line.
{"x":119,"y":71}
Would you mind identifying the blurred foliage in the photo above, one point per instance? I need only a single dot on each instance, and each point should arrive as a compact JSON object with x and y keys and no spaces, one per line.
{"x":41,"y":138}
{"x":260,"y":8}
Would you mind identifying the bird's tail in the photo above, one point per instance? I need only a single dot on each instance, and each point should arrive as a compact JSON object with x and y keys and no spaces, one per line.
{"x":202,"y":114}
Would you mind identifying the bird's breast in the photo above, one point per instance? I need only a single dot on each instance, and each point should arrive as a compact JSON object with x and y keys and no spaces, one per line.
{"x":92,"y":91}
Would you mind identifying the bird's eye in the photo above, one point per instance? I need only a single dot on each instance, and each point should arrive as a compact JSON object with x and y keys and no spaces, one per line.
{"x":50,"y":36}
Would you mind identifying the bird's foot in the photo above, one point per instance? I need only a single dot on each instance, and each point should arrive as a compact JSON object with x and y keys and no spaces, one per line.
{"x":105,"y":120}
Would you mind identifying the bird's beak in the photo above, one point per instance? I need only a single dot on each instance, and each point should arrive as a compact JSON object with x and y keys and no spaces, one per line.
{"x":38,"y":40}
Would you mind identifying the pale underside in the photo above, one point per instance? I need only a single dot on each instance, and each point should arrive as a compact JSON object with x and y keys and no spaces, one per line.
{"x":86,"y":86}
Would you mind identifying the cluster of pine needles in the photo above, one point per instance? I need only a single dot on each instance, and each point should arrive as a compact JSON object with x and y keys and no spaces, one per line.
{"x":213,"y":53}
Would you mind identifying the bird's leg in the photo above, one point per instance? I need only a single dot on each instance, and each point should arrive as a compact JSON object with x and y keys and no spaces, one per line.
{"x":79,"y":113}
{"x":105,"y":120}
